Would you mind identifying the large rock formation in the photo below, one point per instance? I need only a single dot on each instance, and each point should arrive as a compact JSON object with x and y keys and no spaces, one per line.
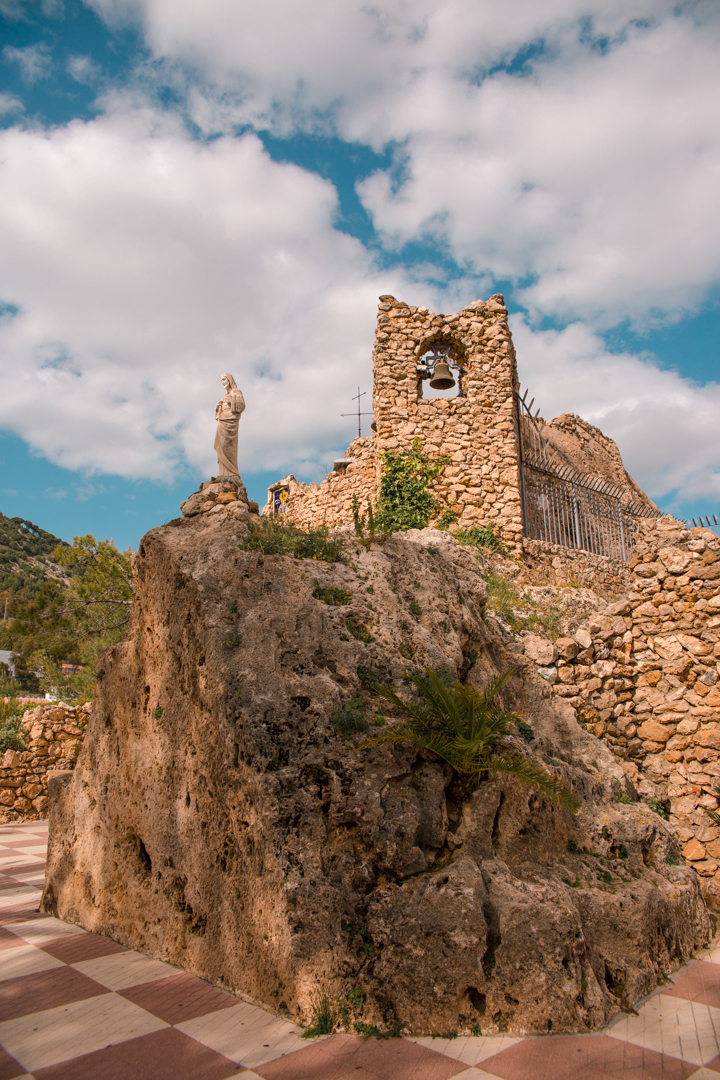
{"x":217,"y":818}
{"x":582,"y":446}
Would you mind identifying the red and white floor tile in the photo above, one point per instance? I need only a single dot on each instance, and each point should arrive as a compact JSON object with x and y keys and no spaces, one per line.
{"x":77,"y":1006}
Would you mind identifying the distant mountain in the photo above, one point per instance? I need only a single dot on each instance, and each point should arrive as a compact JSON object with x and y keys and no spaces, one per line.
{"x":25,"y":559}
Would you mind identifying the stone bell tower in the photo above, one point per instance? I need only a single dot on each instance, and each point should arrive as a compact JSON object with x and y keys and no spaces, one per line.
{"x":475,"y":425}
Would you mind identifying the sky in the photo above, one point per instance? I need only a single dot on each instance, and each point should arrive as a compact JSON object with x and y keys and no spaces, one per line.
{"x":189,"y":187}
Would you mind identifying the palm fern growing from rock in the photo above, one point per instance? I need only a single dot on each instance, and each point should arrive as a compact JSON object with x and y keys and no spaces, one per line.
{"x":464,"y":727}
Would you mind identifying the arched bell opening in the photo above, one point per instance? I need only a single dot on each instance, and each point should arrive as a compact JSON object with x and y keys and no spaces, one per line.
{"x":440,"y":370}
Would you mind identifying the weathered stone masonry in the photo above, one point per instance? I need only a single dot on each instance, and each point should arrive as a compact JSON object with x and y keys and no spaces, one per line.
{"x":477,"y":430}
{"x":56,"y":734}
{"x":644,"y":675}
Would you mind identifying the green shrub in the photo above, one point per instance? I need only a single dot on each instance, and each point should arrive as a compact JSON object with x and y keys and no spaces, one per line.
{"x":448,"y":517}
{"x":275,"y":536}
{"x":330,"y":595}
{"x":323,"y":1019}
{"x":13,"y":735}
{"x":464,"y":727}
{"x":502,"y":599}
{"x":656,"y":806}
{"x":368,"y":676}
{"x":525,"y":730}
{"x":351,"y":717}
{"x":358,"y":630}
{"x":393,"y":1032}
{"x":483,"y":536}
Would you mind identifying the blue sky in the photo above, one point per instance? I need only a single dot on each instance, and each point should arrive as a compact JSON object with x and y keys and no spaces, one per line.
{"x":193,"y":187}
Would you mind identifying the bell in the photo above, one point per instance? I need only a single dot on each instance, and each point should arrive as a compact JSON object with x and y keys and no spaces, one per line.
{"x":442,"y":378}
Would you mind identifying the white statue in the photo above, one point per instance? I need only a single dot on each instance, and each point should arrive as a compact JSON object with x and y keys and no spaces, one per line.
{"x":227,"y":414}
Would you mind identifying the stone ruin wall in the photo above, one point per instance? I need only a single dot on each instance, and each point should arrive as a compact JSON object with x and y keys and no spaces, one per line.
{"x":555,"y":565}
{"x":56,"y":733}
{"x":477,"y":431}
{"x":331,"y":502}
{"x":644,"y":675}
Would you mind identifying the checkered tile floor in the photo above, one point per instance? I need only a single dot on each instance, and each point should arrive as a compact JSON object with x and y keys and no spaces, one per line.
{"x":76,"y":1006}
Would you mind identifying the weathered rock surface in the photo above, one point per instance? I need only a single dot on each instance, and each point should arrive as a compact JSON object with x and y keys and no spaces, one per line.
{"x":217,"y":819}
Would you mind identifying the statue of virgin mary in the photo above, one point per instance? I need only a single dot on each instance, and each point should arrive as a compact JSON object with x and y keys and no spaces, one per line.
{"x":227,"y":414}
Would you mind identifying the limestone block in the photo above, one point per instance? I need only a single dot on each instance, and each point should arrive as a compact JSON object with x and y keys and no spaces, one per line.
{"x":621,"y":607}
{"x":694,"y":645}
{"x":655,"y":731}
{"x":673,"y":560}
{"x":567,"y":648}
{"x":583,"y":638}
{"x":540,"y":650}
{"x":707,"y":736}
{"x":198,"y":503}
{"x":669,"y":648}
{"x":693,"y":851}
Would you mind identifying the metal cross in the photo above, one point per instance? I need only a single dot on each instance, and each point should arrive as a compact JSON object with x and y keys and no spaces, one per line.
{"x":358,"y":413}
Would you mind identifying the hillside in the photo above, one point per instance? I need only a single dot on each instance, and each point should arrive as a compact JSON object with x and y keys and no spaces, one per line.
{"x":25,"y":558}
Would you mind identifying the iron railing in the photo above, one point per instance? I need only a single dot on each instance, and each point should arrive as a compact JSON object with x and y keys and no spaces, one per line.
{"x":567,"y":507}
{"x":710,"y":521}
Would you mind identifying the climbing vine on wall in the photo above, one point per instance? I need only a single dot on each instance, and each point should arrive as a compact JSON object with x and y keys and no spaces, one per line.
{"x":404,"y":501}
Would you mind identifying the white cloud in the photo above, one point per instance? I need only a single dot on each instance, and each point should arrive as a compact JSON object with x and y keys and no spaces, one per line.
{"x":143,"y":264}
{"x":33,"y":60}
{"x":10,"y":104}
{"x":666,"y":426}
{"x":82,"y":69}
{"x":591,"y":179}
{"x":596,"y":178}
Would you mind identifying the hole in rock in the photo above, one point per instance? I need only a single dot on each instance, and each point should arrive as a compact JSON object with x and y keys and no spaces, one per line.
{"x":614,"y":980}
{"x":143,"y":862}
{"x":495,"y":834}
{"x":477,"y":1000}
{"x":493,"y":939}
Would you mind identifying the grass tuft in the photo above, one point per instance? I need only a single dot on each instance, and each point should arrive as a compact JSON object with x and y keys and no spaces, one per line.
{"x":275,"y":536}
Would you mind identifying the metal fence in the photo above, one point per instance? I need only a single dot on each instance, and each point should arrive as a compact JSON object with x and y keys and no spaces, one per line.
{"x":566,"y":507}
{"x":711,"y":521}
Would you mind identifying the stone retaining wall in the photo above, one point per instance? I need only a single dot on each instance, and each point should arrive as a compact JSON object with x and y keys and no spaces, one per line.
{"x":644,"y":675}
{"x":560,"y":566}
{"x":56,"y":733}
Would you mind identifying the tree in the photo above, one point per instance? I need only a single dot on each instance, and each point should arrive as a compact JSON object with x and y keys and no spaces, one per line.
{"x":464,"y":727}
{"x":73,"y":621}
